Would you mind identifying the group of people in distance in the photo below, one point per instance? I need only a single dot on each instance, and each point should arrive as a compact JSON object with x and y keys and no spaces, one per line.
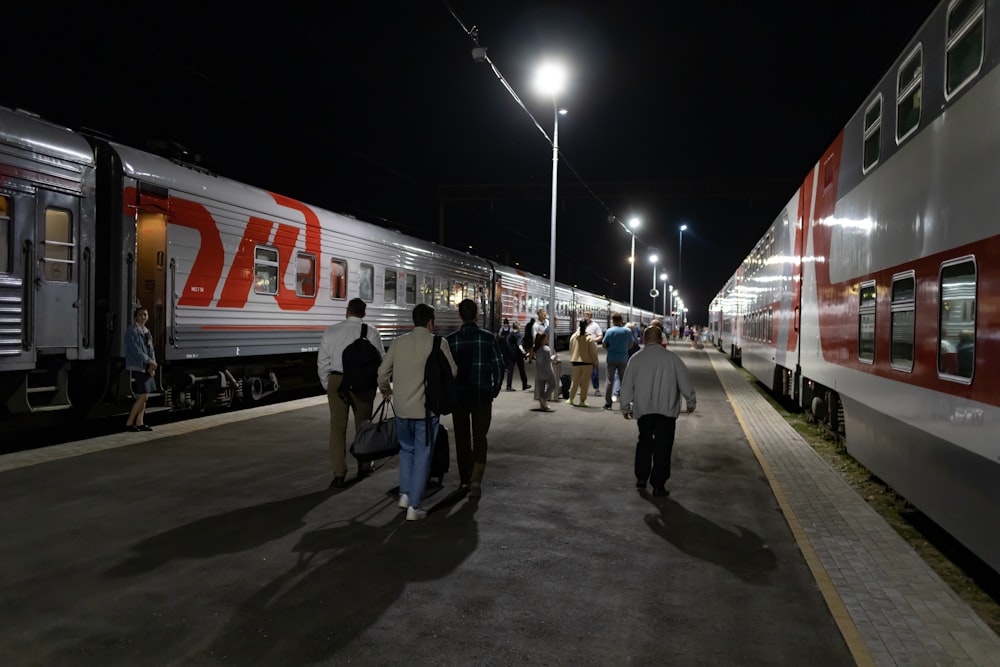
{"x":651,"y":389}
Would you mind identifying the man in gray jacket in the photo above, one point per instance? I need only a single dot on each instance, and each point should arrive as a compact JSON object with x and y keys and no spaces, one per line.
{"x":655,"y":379}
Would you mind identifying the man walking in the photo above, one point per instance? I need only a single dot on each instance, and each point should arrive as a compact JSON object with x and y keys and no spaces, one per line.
{"x":652,"y":387}
{"x":594,"y":331}
{"x":360,"y":396}
{"x":617,"y":341}
{"x":404,"y":365}
{"x":480,"y":376}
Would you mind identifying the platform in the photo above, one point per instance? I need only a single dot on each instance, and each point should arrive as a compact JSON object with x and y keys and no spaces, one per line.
{"x":217,"y":541}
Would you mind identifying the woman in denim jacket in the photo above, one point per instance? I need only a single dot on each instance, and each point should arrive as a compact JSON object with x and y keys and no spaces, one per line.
{"x":140,"y":360}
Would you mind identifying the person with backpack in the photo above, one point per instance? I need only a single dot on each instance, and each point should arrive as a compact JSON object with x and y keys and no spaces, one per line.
{"x":348,"y":361}
{"x":480,"y":377}
{"x":403,"y":375}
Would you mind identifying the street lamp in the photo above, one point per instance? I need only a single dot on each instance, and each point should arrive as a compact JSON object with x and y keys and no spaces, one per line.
{"x":666,"y":313}
{"x":652,"y":292}
{"x":550,"y":80}
{"x":680,"y":252}
{"x":633,"y":225}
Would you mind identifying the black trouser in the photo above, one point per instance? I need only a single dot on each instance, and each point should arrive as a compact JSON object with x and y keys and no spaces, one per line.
{"x":509,"y":365}
{"x":471,"y":426}
{"x":656,"y":444}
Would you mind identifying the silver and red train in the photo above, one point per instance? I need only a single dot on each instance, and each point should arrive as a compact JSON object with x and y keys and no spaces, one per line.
{"x":239,"y":282}
{"x":873,"y":300}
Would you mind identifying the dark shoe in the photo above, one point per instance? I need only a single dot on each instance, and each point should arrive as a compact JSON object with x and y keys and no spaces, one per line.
{"x":510,"y":389}
{"x":660,"y":491}
{"x":132,"y":428}
{"x":526,"y":387}
{"x":144,"y":427}
{"x":607,"y":406}
{"x":640,"y":484}
{"x":366,"y":469}
{"x":338,"y":482}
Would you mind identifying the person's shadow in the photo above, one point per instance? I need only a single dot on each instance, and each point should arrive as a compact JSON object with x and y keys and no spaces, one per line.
{"x":344,"y":580}
{"x":743,"y":553}
{"x":230,"y":532}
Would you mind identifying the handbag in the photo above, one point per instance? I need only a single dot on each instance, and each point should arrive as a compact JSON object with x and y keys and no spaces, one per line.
{"x":376,"y":437}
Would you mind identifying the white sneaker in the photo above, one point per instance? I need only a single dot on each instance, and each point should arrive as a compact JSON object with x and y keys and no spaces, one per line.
{"x":614,"y":399}
{"x":415,"y":514}
{"x":404,"y":501}
{"x":597,"y":392}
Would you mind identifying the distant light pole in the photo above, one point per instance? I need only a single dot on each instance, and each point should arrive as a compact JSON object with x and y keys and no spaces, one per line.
{"x":666,"y":313}
{"x":652,"y":292}
{"x":680,"y":253}
{"x":549,"y":81}
{"x":633,"y":225}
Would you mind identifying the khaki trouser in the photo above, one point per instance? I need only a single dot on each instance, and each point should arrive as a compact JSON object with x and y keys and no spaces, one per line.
{"x":581,"y":381}
{"x":361,"y":405}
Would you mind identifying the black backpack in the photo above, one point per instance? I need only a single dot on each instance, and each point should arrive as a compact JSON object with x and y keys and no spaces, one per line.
{"x":361,"y":361}
{"x":440,"y":389}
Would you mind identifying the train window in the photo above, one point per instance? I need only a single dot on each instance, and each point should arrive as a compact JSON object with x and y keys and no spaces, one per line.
{"x":411,"y":288}
{"x":908,"y":94}
{"x":866,"y":323}
{"x":902,"y":322}
{"x":338,"y":279}
{"x":305,"y":274}
{"x":389,"y":286}
{"x":427,"y":290}
{"x":957,"y":322}
{"x":6,"y":233}
{"x":965,"y":44}
{"x":457,"y":293}
{"x":265,"y":270}
{"x":366,"y":283}
{"x":59,"y":245}
{"x":440,"y":292}
{"x":873,"y":133}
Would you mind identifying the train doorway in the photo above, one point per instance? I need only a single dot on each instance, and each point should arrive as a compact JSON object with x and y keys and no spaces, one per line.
{"x":56,"y":307}
{"x":151,"y":273}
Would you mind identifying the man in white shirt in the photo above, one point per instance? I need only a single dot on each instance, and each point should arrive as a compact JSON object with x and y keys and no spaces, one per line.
{"x":330,"y":367}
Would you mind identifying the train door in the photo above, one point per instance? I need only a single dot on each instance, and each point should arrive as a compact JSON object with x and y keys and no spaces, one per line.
{"x":151,"y":274}
{"x":56,"y":306}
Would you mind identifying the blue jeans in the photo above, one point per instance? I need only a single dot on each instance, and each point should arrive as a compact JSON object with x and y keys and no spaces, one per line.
{"x":614,"y":383}
{"x":414,"y":456}
{"x":595,"y":376}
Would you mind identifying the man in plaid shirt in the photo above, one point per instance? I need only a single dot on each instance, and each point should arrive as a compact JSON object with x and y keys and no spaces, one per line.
{"x":480,"y":376}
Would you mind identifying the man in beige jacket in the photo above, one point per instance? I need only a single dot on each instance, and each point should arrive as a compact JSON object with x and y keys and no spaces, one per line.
{"x":404,"y":365}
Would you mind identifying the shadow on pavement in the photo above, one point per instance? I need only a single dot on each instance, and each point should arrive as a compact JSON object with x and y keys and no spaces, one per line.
{"x":743,"y":554}
{"x":313,"y":610}
{"x":230,"y":532}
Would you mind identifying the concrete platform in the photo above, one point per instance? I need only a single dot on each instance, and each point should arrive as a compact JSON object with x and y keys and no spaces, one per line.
{"x":216,"y":541}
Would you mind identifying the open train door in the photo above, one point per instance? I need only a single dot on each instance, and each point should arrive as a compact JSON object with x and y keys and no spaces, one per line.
{"x":151,"y":270}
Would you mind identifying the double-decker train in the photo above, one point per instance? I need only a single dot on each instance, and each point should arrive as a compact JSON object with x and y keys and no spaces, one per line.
{"x":873,"y":300}
{"x":239,"y":282}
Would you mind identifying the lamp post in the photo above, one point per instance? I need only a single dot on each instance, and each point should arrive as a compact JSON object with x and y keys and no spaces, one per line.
{"x":652,"y":292}
{"x":666,"y":313}
{"x":633,"y":225}
{"x":550,"y":80}
{"x":680,"y":252}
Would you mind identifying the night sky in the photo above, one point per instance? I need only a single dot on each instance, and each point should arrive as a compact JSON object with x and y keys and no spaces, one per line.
{"x":697,"y":113}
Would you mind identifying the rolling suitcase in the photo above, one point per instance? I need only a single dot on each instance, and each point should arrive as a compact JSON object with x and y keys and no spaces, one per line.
{"x":440,"y":457}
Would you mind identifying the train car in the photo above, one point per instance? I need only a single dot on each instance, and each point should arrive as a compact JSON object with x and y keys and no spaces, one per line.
{"x":240,"y":282}
{"x":882,"y":300}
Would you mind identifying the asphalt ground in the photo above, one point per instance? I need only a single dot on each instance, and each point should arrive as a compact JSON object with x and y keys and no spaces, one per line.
{"x":223,"y":545}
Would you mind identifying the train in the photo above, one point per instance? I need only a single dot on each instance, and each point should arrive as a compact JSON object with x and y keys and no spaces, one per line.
{"x":239,"y":282}
{"x":872,"y":301}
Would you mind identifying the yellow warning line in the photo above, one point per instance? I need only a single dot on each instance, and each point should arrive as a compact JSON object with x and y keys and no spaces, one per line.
{"x":852,"y":636}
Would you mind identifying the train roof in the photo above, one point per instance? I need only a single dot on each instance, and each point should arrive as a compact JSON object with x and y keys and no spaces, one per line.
{"x":27,"y":130}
